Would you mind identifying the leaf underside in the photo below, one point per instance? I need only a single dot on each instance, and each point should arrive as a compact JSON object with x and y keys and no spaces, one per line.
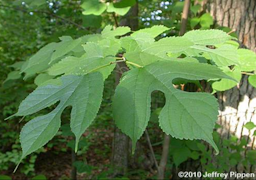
{"x":185,"y":115}
{"x":83,"y":93}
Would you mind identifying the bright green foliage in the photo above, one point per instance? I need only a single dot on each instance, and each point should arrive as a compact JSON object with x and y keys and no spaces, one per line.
{"x":225,"y":84}
{"x":224,"y":55}
{"x":83,"y":93}
{"x":97,"y":7}
{"x":120,"y":11}
{"x":153,"y":31}
{"x":183,"y":113}
{"x":157,"y":50}
{"x":247,"y":60}
{"x":206,"y":21}
{"x":109,"y":33}
{"x":252,"y":80}
{"x":94,"y":7}
{"x":207,"y":37}
{"x":250,"y":126}
{"x":64,"y":47}
{"x":72,"y":72}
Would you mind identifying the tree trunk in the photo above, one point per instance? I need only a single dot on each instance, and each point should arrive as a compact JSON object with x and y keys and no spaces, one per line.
{"x":120,"y":148}
{"x":237,"y":106}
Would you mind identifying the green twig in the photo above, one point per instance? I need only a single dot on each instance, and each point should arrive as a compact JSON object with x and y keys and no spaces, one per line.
{"x":129,"y":62}
{"x":246,"y":73}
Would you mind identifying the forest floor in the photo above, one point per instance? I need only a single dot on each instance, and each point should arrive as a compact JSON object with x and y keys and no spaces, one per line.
{"x":57,"y":165}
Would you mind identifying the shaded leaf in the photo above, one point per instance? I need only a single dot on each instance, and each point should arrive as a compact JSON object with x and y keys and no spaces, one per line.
{"x":40,"y":61}
{"x":83,"y":93}
{"x":94,"y":58}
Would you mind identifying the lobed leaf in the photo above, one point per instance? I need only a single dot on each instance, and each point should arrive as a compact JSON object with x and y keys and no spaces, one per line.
{"x":94,"y":58}
{"x":157,"y":51}
{"x":184,"y":116}
{"x":83,"y":93}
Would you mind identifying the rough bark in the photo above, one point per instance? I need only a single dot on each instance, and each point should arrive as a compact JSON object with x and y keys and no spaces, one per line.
{"x":120,"y":147}
{"x":237,"y":106}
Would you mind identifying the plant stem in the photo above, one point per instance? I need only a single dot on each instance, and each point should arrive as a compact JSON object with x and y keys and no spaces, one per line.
{"x":129,"y":62}
{"x":184,"y":17}
{"x":246,"y":73}
{"x":73,"y":172}
{"x":164,"y":158}
{"x":151,"y":149}
{"x":115,"y":19}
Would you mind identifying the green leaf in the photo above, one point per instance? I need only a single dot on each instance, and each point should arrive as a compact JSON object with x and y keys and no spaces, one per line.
{"x":42,"y":78}
{"x":184,"y":116}
{"x":94,"y":7}
{"x":40,"y":61}
{"x":12,"y":76}
{"x":64,"y":47}
{"x":181,"y":155}
{"x":17,"y":65}
{"x":252,"y":80}
{"x":4,"y":177}
{"x":225,"y":55}
{"x":125,"y":3}
{"x":118,"y":10}
{"x":194,"y":155}
{"x":247,"y":60}
{"x":109,"y":33}
{"x":206,"y":21}
{"x":195,"y":8}
{"x":82,"y":167}
{"x":207,"y":37}
{"x":39,"y":177}
{"x":83,"y":93}
{"x":136,"y":43}
{"x":92,"y":21}
{"x":153,"y":31}
{"x":225,"y":84}
{"x":94,"y":58}
{"x":158,"y":50}
{"x":194,"y":21}
{"x":250,"y":126}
